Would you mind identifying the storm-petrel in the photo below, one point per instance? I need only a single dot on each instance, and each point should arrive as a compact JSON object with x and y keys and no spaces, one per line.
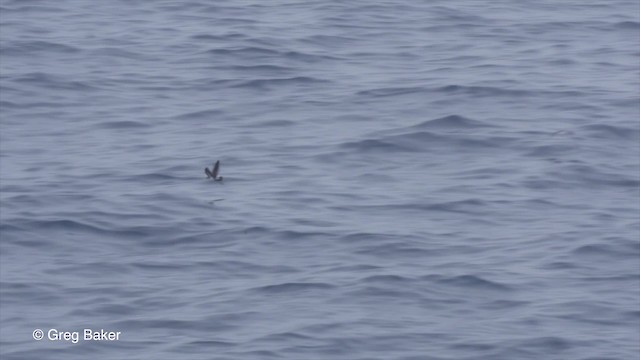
{"x":214,"y":174}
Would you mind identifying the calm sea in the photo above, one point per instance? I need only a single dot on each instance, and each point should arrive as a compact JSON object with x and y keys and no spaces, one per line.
{"x":403,"y":180}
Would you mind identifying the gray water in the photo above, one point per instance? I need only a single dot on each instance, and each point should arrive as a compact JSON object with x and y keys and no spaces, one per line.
{"x":402,"y":180}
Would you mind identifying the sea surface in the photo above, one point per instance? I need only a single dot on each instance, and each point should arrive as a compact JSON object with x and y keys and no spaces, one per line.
{"x":403,"y":180}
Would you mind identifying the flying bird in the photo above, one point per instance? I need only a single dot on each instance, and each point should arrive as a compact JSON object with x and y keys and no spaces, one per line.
{"x":214,"y":174}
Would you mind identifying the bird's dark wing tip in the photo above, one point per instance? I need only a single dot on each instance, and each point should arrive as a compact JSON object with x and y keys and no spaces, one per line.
{"x":216,"y":169}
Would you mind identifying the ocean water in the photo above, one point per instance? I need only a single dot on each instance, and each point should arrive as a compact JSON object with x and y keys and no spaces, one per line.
{"x":402,"y":179}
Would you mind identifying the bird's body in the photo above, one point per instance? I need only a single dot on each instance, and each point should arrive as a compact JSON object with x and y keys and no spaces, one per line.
{"x":214,"y":174}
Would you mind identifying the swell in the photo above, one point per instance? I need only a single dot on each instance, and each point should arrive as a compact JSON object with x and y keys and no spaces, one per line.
{"x":36,"y":47}
{"x":255,"y":52}
{"x":453,"y":131}
{"x":74,"y":227}
{"x":474,"y":91}
{"x":44,"y":80}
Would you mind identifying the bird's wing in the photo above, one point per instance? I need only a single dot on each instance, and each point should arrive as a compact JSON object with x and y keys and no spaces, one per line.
{"x":216,"y":169}
{"x":206,"y":171}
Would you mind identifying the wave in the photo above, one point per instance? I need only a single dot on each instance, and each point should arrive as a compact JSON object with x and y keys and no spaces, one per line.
{"x":597,"y":176}
{"x":483,"y":91}
{"x":416,"y":138}
{"x":294,"y":287}
{"x":49,"y":81}
{"x":605,"y":131}
{"x":373,"y":145}
{"x":251,"y":51}
{"x":97,"y":226}
{"x":394,"y":249}
{"x":391,"y":91}
{"x":224,"y":37}
{"x":273,"y":123}
{"x":474,"y":91}
{"x":386,"y":279}
{"x":255,"y":52}
{"x":126,"y":124}
{"x":270,"y":69}
{"x":37,"y":47}
{"x":119,"y":53}
{"x":627,"y":25}
{"x":328,"y":41}
{"x":450,"y":122}
{"x":613,"y":251}
{"x":468,"y":206}
{"x":200,"y":114}
{"x":262,"y":83}
{"x":551,"y":150}
{"x":474,"y":282}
